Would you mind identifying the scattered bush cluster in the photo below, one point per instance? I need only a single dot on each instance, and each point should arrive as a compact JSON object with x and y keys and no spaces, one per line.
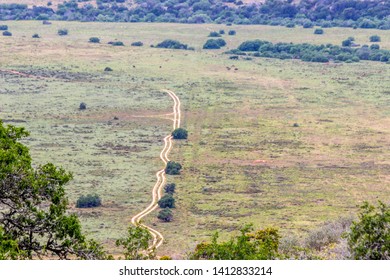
{"x":309,"y":52}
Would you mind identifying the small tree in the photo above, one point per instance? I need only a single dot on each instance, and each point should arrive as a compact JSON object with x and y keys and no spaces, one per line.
{"x":375,"y":38}
{"x":170,"y":188}
{"x":369,"y":238}
{"x":94,"y":40}
{"x":211,"y":44}
{"x":165,"y":215}
{"x":232,"y":32}
{"x":221,"y":31}
{"x":83,"y":106}
{"x":136,"y":244}
{"x":180,"y":133}
{"x":7,"y":33}
{"x":167,"y":201}
{"x":346,"y":43}
{"x":63,"y":32}
{"x":173,"y":168}
{"x":319,"y":31}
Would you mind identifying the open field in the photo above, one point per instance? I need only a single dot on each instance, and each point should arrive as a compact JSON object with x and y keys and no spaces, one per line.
{"x":244,"y":160}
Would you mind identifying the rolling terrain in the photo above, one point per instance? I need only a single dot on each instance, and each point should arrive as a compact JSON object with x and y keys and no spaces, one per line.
{"x":279,"y":143}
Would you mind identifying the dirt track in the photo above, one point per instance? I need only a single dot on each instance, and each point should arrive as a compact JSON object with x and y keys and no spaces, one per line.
{"x":158,"y":238}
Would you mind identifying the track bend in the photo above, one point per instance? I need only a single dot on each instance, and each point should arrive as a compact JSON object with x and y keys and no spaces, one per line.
{"x":158,"y":238}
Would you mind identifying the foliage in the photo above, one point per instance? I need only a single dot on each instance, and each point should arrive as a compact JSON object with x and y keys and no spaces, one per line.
{"x":375,"y":38}
{"x":214,"y":43}
{"x":319,"y":31}
{"x":167,"y":201}
{"x":172,"y":44}
{"x":369,"y":238}
{"x":232,"y":32}
{"x":94,"y":40}
{"x":117,"y":43}
{"x":165,"y":258}
{"x":33,"y":202}
{"x":308,"y":52}
{"x":108,"y":69}
{"x":170,"y":188}
{"x":137,"y":44}
{"x":165,"y":215}
{"x":214,"y":34}
{"x":3,"y":27}
{"x":346,"y":43}
{"x":88,"y":201}
{"x":62,"y":32}
{"x":36,"y":36}
{"x":9,"y":249}
{"x":352,"y":13}
{"x":221,"y":31}
{"x":173,"y":168}
{"x":259,"y":245}
{"x":136,"y":244}
{"x":7,"y":33}
{"x":180,"y":133}
{"x":83,"y":106}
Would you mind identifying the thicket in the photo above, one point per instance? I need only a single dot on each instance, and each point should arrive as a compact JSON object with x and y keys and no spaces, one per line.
{"x":324,"y":13}
{"x":308,"y":52}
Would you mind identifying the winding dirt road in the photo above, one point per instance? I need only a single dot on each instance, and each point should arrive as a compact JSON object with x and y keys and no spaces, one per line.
{"x":158,"y":238}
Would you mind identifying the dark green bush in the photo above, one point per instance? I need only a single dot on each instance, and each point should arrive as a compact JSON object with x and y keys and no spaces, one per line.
{"x":36,"y":35}
{"x":171,"y":44}
{"x":7,"y":33}
{"x":173,"y":168}
{"x":214,"y":34}
{"x":375,"y":38}
{"x":62,"y":32}
{"x":165,"y":215}
{"x":170,"y":188}
{"x":167,"y":201}
{"x":319,"y":31}
{"x":107,"y":69}
{"x":232,"y":32}
{"x":180,"y":133}
{"x":83,"y":106}
{"x":117,"y":43}
{"x":211,"y":44}
{"x":88,"y":201}
{"x":3,"y":27}
{"x":94,"y":40}
{"x":221,"y":31}
{"x":137,"y":44}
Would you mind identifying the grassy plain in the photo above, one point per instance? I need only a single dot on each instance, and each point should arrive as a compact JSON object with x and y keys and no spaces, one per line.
{"x":244,"y":161}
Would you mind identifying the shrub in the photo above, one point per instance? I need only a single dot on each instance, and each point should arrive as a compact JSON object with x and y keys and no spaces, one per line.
{"x":83,"y":106}
{"x":108,"y":69}
{"x":211,"y":44}
{"x":3,"y":27}
{"x":232,"y":32}
{"x":165,"y":215}
{"x":234,"y":57}
{"x":375,"y":47}
{"x":137,"y":44}
{"x":290,"y":25}
{"x":308,"y":24}
{"x":346,"y":43}
{"x":88,"y":201}
{"x":180,"y":133}
{"x":369,"y":238}
{"x":167,"y":201}
{"x":173,"y":168}
{"x":171,"y":44}
{"x":117,"y":43}
{"x":170,"y":188}
{"x":319,"y":31}
{"x":63,"y":32}
{"x":46,"y":22}
{"x":221,"y":31}
{"x":221,"y":42}
{"x":165,"y":258}
{"x":214,"y":34}
{"x":94,"y":40}
{"x":36,"y":35}
{"x":375,"y":38}
{"x":7,"y":33}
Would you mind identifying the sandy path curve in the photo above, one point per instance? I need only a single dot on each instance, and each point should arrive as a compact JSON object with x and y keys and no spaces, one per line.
{"x":158,"y":238}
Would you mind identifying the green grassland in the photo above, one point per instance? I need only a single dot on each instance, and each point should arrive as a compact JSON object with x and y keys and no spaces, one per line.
{"x":244,"y":161}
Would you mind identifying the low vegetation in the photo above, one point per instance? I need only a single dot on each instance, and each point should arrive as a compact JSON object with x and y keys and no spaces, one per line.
{"x":173,"y":168}
{"x":180,"y":133}
{"x":88,"y":201}
{"x":172,"y":44}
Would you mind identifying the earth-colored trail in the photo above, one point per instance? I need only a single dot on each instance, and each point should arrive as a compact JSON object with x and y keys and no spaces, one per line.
{"x":158,"y":238}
